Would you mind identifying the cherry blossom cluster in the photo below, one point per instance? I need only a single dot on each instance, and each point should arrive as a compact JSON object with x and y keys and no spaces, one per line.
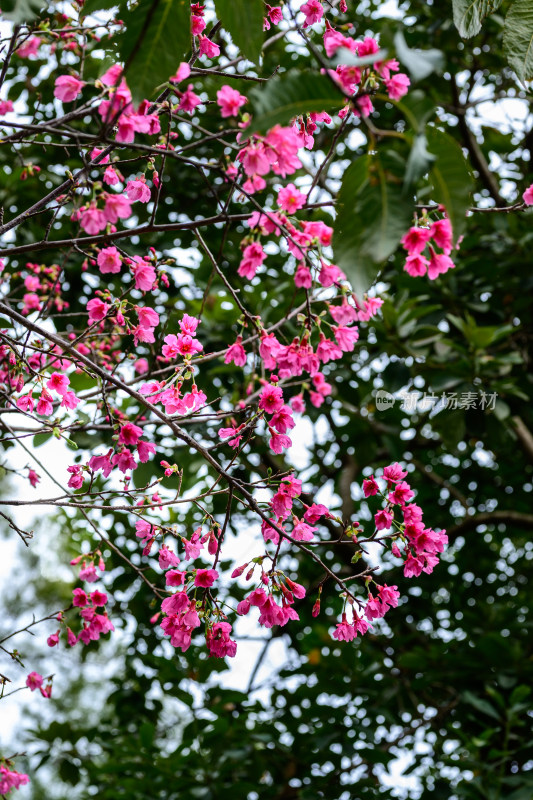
{"x":121,"y":342}
{"x":11,"y":779}
{"x":423,"y":239}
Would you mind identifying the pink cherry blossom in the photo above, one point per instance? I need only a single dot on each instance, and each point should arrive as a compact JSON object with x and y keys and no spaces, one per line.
{"x":230,"y":101}
{"x":290,"y":199}
{"x":138,"y":190}
{"x":313,"y":11}
{"x":58,"y":383}
{"x":67,"y":88}
{"x":207,"y":47}
{"x":109,"y":260}
{"x":97,"y":309}
{"x":397,"y":86}
{"x":236,"y":353}
{"x":527,"y":196}
{"x":34,"y":681}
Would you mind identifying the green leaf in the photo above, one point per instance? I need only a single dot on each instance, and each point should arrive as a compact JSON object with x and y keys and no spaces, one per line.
{"x":518,"y":38}
{"x":480,"y":705}
{"x":372,"y":216}
{"x":420,"y":63}
{"x":450,"y":177}
{"x":41,"y":438}
{"x":243,"y":19}
{"x":18,"y":11}
{"x":468,"y":15}
{"x":156,"y":37}
{"x":419,"y":161}
{"x":290,"y":95}
{"x":93,"y":6}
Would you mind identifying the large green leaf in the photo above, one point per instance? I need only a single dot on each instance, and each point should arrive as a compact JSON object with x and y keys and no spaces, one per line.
{"x":450,"y":177}
{"x":93,"y":6}
{"x":518,"y":38}
{"x":18,"y":11}
{"x":155,"y":39}
{"x":372,"y":216}
{"x":289,"y":95}
{"x":419,"y":161}
{"x":468,"y":15}
{"x":243,"y":19}
{"x":420,"y":63}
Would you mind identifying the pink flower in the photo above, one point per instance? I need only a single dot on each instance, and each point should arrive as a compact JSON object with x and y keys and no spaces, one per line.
{"x":303,"y":532}
{"x":401,"y":494}
{"x":108,"y":260}
{"x":182,"y":73}
{"x":144,"y":529}
{"x":67,"y":88}
{"x":97,"y":309}
{"x":279,"y":442}
{"x":207,"y":47}
{"x":34,"y":681}
{"x":271,"y":399}
{"x":252,"y":258}
{"x":148,"y":318}
{"x":189,"y":100}
{"x":58,"y":383}
{"x":230,"y":100}
{"x":182,"y":344}
{"x":415,"y":240}
{"x":527,"y":197}
{"x":370,"y":487}
{"x":281,"y":149}
{"x":302,"y":277}
{"x":283,"y":420}
{"x":394,"y":473}
{"x":205,"y":578}
{"x":53,"y":639}
{"x":334,"y":40}
{"x":79,"y":598}
{"x":33,"y":478}
{"x":383,"y":520}
{"x":275,"y":14}
{"x":197,"y":24}
{"x":138,"y":190}
{"x":5,"y":107}
{"x":145,"y":450}
{"x":397,"y":86}
{"x":441,"y":233}
{"x":98,"y":599}
{"x":143,"y":273}
{"x":344,"y":632}
{"x":29,"y":48}
{"x":439,"y":263}
{"x":175,"y":577}
{"x":416,"y":265}
{"x":93,"y":220}
{"x":313,"y":11}
{"x":167,"y":558}
{"x":330,"y":274}
{"x":236,"y":353}
{"x":290,"y":199}
{"x":112,"y":76}
{"x":130,"y":433}
{"x":44,"y":404}
{"x":117,"y":206}
{"x":346,"y":337}
{"x":124,"y":461}
{"x":218,"y":642}
{"x":314,"y":513}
